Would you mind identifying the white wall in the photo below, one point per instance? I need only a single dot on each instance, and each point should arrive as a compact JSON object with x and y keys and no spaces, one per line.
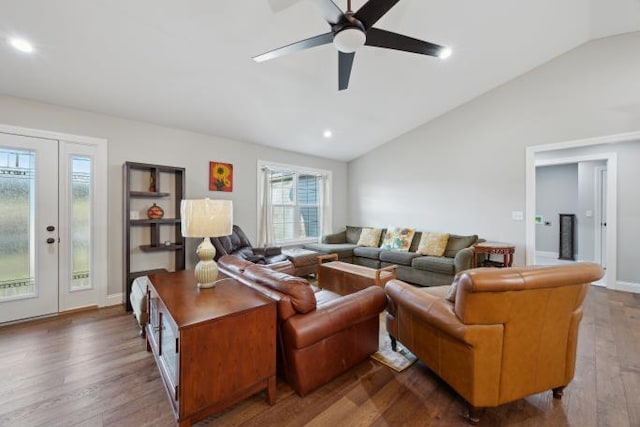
{"x":142,"y":142}
{"x":464,"y":171}
{"x":556,"y":193}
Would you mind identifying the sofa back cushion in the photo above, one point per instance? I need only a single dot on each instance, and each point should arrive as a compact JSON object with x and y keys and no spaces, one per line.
{"x":353,"y":234}
{"x":297,"y":289}
{"x":457,"y":243}
{"x":227,"y":245}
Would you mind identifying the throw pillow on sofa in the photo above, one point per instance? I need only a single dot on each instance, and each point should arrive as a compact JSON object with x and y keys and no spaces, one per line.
{"x":433,"y":244}
{"x":398,"y":239}
{"x":370,"y":237}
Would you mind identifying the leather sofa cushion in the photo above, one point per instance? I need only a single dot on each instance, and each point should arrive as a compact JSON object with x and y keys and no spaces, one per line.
{"x":366,"y":252}
{"x":298,"y":289}
{"x":457,"y":243}
{"x":394,"y":257}
{"x":323,"y":296}
{"x":435,"y":264}
{"x":233,"y":263}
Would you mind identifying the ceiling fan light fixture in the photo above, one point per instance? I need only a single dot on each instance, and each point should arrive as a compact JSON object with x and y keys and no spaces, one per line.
{"x":445,"y":52}
{"x":349,"y":39}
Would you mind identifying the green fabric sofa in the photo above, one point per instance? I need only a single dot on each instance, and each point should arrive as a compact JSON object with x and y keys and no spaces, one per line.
{"x":412,"y":267}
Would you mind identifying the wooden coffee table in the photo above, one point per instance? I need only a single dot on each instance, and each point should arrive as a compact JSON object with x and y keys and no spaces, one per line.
{"x":344,"y":278}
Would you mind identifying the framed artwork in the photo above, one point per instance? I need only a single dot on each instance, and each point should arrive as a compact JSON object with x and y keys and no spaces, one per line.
{"x":220,"y":176}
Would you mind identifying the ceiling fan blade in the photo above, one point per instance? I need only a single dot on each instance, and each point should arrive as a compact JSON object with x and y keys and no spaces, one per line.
{"x":332,"y":13}
{"x":295,"y":47}
{"x":345,"y":63}
{"x":373,"y":10}
{"x":280,"y":5}
{"x":382,"y":38}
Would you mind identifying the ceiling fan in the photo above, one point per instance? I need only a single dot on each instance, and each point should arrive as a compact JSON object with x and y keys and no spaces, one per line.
{"x":350,"y":31}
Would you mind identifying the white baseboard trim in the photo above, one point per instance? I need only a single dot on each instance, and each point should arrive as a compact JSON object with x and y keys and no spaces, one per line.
{"x":114,"y":299}
{"x":547,"y":254}
{"x":628,"y":287}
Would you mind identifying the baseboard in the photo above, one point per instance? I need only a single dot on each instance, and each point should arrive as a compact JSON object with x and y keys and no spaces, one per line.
{"x":628,"y":287}
{"x":547,"y":254}
{"x":114,"y":299}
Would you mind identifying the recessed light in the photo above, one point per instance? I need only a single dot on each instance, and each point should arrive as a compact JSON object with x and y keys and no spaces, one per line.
{"x":327,"y":133}
{"x":444,"y":53}
{"x":21,"y":44}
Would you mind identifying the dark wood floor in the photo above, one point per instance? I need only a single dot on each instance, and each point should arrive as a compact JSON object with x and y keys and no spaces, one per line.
{"x":91,"y":369}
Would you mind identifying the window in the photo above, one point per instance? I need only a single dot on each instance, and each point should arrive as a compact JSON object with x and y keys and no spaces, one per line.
{"x":296,"y":203}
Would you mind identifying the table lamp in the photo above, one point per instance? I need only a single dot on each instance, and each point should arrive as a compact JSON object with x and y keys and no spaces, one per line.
{"x":206,"y":218}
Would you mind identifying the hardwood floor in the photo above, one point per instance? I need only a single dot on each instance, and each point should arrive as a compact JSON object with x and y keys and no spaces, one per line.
{"x":92,"y":369}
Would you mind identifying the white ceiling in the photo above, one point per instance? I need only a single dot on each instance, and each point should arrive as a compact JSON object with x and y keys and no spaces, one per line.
{"x":187,"y":64}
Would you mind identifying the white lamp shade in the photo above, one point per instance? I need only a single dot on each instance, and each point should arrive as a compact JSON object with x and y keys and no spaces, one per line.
{"x":206,"y":217}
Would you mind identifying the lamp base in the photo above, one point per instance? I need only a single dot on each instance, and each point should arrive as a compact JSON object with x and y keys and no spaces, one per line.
{"x":206,"y":270}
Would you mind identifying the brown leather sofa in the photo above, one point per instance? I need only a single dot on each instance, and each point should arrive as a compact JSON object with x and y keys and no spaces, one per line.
{"x":320,"y":334}
{"x":508,"y":334}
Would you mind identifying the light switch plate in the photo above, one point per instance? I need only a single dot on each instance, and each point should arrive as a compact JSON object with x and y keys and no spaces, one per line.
{"x":517,"y":215}
{"x":588,"y":214}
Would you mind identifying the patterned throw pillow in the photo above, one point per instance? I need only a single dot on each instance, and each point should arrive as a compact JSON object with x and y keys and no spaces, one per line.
{"x":398,"y":239}
{"x":370,"y":237}
{"x":433,"y":244}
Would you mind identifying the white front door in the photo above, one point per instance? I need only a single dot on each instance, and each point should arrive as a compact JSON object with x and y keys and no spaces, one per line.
{"x":28,"y":227}
{"x":52,"y":226}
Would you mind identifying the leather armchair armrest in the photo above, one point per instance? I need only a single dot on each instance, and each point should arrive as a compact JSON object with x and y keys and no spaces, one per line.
{"x":433,"y":310}
{"x":463,"y":259}
{"x":340,"y":237}
{"x":306,"y":329}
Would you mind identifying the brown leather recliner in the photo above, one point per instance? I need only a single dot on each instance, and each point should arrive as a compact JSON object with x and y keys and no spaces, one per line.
{"x":320,"y":334}
{"x":238,"y":245}
{"x":510,"y":332}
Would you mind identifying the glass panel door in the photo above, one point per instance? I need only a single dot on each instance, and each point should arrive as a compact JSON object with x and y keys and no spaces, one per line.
{"x":28,"y":227}
{"x":79,"y":220}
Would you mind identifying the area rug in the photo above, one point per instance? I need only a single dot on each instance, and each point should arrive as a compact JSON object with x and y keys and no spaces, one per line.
{"x":396,"y":360}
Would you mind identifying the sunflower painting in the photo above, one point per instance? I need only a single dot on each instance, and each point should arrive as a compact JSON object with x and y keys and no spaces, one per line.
{"x":220,"y":176}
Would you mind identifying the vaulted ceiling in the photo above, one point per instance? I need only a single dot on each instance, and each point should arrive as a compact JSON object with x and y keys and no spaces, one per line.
{"x":187,"y":64}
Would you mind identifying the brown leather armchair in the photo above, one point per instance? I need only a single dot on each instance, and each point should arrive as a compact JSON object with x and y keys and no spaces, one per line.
{"x":320,"y":334}
{"x":508,"y":334}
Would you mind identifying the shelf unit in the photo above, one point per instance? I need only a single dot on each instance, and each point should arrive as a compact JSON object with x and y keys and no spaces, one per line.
{"x":137,"y":176}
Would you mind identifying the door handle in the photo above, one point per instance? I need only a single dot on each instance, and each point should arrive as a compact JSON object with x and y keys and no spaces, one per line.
{"x":51,"y":240}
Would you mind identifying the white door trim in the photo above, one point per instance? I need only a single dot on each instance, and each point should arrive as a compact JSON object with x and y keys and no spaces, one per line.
{"x":612,"y":164}
{"x":598,"y":170}
{"x":101,"y":230}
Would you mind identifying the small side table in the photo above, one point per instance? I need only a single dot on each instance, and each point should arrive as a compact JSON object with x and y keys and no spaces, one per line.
{"x":489,"y":248}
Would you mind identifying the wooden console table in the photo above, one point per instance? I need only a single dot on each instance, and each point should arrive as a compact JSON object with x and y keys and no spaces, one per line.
{"x":344,"y":278}
{"x":489,"y":248}
{"x":213,"y":347}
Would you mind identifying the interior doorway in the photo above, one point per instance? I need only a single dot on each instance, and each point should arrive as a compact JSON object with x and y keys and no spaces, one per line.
{"x":609,"y":237}
{"x":53,"y":225}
